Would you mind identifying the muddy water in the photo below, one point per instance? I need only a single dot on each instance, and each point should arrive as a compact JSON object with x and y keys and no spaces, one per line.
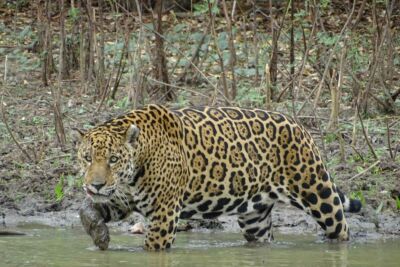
{"x":43,"y":246}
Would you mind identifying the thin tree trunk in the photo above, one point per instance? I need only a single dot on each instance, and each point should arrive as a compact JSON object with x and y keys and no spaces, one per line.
{"x":255,"y":41}
{"x":161,"y":70}
{"x":100,"y":54}
{"x":292,"y":57}
{"x":91,"y":42}
{"x":136,"y":62}
{"x":336,"y":93}
{"x":273,"y":63}
{"x":46,"y":55}
{"x":82,"y":57}
{"x":62,"y":70}
{"x":232,"y":59}
{"x":56,"y":92}
{"x":219,"y":54}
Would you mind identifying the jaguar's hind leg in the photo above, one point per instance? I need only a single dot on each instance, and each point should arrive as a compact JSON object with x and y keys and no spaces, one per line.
{"x":257,"y":225}
{"x":321,"y":199}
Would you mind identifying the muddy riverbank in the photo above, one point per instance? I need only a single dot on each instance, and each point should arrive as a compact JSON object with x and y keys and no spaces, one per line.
{"x":364,"y":226}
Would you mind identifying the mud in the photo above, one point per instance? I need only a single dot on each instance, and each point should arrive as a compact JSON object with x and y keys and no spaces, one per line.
{"x":365,"y":226}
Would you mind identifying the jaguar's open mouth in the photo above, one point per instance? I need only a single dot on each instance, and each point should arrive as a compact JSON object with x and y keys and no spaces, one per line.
{"x":89,"y":192}
{"x":97,"y":195}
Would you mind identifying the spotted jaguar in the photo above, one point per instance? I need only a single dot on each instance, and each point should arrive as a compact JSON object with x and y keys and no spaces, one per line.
{"x":204,"y":162}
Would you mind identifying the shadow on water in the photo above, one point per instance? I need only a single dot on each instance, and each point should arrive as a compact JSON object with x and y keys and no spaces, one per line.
{"x":43,"y":246}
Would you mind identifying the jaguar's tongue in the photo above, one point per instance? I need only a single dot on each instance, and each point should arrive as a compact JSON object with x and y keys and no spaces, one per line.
{"x":89,"y":193}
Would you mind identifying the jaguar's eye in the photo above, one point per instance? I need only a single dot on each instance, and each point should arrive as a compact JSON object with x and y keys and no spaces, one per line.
{"x":88,"y":158}
{"x":113,"y":159}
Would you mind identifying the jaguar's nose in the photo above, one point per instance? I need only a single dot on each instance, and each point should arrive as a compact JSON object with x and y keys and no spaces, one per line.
{"x":98,"y":186}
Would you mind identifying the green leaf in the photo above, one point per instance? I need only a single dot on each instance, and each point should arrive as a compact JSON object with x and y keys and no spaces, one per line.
{"x":25,"y":32}
{"x":326,"y":39}
{"x":359,"y":169}
{"x":223,"y":40}
{"x":73,"y":13}
{"x":358,"y":195}
{"x":179,"y":28}
{"x":59,"y":189}
{"x":330,"y":137}
{"x":379,"y":208}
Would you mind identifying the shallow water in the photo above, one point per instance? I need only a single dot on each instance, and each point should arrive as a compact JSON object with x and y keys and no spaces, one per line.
{"x":43,"y":246}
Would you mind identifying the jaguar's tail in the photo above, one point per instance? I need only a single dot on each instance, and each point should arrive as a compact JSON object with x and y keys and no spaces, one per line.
{"x":350,"y":205}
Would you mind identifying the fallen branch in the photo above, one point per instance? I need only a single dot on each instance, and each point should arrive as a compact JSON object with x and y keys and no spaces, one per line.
{"x":364,"y":171}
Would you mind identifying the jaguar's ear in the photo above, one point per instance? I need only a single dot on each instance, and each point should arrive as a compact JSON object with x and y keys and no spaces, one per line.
{"x":132,"y":134}
{"x":77,"y":135}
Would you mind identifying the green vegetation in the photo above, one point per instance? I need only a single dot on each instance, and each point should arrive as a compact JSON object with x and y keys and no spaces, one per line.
{"x":59,"y":189}
{"x":398,"y":203}
{"x":66,"y":184}
{"x":358,"y":195}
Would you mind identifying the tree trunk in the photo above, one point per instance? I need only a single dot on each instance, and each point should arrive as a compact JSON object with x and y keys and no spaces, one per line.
{"x":56,"y":92}
{"x":160,"y":64}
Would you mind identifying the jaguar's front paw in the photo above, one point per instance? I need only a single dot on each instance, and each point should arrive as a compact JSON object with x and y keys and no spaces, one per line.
{"x":94,"y":225}
{"x":100,"y":235}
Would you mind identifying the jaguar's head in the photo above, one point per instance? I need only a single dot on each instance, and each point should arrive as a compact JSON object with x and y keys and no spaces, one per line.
{"x":108,"y":160}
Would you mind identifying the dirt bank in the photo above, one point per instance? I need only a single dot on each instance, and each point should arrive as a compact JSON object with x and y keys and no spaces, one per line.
{"x":365,"y":226}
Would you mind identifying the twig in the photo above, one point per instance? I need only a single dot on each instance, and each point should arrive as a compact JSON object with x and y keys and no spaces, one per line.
{"x":177,"y":50}
{"x":336,"y":92}
{"x":324,"y":155}
{"x":358,"y":153}
{"x":121,"y":67}
{"x":359,"y":15}
{"x":5,"y":69}
{"x":196,"y":53}
{"x":365,"y":135}
{"x":4,"y":118}
{"x":388,"y":139}
{"x":57,"y":157}
{"x":345,"y":27}
{"x":397,"y":148}
{"x":364,"y":171}
{"x":396,"y":94}
{"x":179,"y":87}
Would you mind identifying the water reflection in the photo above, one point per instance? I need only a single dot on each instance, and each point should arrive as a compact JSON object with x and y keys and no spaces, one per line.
{"x":71,"y":247}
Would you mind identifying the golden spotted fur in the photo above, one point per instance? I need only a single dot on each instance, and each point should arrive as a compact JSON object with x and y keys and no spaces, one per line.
{"x":205,"y":162}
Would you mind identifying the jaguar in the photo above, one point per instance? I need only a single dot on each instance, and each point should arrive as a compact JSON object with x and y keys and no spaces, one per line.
{"x":204,"y":162}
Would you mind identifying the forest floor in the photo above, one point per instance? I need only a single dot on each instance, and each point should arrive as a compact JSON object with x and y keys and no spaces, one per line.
{"x":44,"y":186}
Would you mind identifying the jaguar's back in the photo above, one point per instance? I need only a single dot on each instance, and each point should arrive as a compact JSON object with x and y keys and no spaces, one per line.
{"x":243,"y":160}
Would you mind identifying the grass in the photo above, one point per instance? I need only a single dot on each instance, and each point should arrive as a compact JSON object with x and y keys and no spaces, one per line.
{"x":59,"y":189}
{"x":358,"y":195}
